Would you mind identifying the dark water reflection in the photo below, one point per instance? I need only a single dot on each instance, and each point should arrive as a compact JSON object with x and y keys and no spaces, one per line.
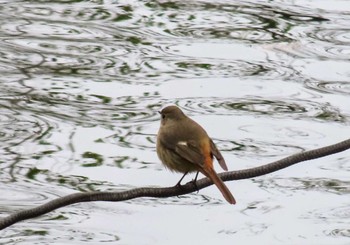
{"x":82,"y":81}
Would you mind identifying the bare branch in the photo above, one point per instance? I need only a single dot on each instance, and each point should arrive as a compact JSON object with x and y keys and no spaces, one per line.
{"x":171,"y":191}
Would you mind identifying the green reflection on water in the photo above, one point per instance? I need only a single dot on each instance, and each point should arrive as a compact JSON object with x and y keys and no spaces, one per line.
{"x":59,"y":217}
{"x":29,"y":232}
{"x":97,"y":159}
{"x":104,"y":99}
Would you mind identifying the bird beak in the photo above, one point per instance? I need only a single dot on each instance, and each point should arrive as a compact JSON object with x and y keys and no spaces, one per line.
{"x":159,"y":112}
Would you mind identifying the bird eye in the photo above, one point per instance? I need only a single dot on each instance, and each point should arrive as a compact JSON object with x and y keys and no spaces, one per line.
{"x":163,"y":116}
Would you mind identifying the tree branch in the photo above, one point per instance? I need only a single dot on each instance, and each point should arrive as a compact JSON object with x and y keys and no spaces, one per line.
{"x":171,"y":191}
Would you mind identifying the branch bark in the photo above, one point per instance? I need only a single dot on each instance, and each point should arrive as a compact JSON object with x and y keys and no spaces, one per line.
{"x":171,"y":191}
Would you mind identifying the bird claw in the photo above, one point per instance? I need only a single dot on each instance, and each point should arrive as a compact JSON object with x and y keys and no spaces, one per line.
{"x":194,"y":182}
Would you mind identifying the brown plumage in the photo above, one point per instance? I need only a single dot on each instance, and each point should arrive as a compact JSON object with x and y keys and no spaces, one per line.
{"x":184,"y":146}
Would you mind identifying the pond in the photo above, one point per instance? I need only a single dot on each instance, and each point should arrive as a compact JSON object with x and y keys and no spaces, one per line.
{"x":82,"y":81}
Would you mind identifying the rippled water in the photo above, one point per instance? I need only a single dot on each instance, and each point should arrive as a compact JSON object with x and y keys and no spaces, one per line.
{"x":80,"y":86}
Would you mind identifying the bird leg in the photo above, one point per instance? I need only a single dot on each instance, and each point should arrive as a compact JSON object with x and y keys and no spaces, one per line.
{"x":194,"y":181}
{"x":195,"y":178}
{"x":179,"y":183}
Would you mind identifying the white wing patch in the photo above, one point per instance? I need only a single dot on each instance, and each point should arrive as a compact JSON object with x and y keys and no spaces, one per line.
{"x":182,"y":143}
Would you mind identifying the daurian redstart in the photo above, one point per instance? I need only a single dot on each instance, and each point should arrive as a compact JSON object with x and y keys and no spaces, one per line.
{"x":184,"y":146}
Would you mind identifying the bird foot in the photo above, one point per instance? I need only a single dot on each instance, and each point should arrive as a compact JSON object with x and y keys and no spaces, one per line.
{"x":194,"y":182}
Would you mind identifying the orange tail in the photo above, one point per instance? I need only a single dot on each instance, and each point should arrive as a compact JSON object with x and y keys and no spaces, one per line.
{"x":211,"y":174}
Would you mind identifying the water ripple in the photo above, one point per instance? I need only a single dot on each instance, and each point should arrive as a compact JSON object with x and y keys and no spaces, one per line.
{"x":248,"y":148}
{"x":336,"y":216}
{"x":334,"y":36}
{"x":17,"y":127}
{"x":185,"y":200}
{"x":132,"y":137}
{"x":89,"y":110}
{"x":242,"y":16}
{"x":312,"y":184}
{"x":46,"y":231}
{"x":338,"y":233}
{"x":18,"y":195}
{"x":308,"y":50}
{"x":334,"y":87}
{"x":287,"y":108}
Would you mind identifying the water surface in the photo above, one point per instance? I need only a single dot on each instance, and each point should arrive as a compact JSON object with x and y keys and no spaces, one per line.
{"x":82,"y":81}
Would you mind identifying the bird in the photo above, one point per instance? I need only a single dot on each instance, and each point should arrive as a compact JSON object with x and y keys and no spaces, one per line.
{"x":183,"y":146}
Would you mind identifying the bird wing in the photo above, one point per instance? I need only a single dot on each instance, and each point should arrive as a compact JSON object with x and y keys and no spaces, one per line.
{"x":190,"y":151}
{"x":218,"y":155}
